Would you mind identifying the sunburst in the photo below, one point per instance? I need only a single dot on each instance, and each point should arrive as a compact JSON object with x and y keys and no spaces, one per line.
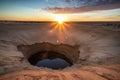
{"x":60,"y":18}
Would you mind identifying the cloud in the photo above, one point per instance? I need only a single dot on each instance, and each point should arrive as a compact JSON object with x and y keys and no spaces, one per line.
{"x":79,"y":6}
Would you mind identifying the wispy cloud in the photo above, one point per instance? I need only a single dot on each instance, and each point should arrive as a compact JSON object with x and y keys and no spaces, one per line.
{"x":79,"y":6}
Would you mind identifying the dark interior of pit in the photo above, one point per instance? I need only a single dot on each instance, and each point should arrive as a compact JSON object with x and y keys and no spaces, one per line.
{"x":50,"y":55}
{"x":50,"y":59}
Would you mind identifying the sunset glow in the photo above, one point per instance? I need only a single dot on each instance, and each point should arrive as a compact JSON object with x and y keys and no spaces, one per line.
{"x":60,"y":10}
{"x":60,"y":21}
{"x":60,"y":18}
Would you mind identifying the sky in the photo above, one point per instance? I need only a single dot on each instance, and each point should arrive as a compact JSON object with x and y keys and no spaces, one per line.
{"x":72,"y":10}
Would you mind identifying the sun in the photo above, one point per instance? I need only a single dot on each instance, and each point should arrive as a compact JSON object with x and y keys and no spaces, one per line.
{"x":60,"y":18}
{"x":60,"y":21}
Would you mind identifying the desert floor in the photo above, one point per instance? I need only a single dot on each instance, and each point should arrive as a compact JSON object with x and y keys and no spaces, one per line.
{"x":98,"y":46}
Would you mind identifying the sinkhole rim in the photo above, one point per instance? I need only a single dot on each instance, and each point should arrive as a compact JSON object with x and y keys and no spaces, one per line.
{"x":71,"y":52}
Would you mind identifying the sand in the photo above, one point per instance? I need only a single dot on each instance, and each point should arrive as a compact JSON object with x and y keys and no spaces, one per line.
{"x":99,"y":46}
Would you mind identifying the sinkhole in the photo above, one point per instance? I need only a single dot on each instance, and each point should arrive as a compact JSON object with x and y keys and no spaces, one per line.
{"x":50,"y":59}
{"x":54,"y":56}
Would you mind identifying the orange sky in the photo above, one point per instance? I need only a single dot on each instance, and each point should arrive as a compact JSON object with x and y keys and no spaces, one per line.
{"x":35,"y":10}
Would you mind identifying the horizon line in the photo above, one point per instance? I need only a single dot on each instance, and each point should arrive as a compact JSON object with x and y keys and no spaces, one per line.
{"x":51,"y":21}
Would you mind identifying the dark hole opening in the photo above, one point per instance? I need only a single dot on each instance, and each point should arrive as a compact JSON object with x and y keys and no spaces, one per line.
{"x":50,"y":59}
